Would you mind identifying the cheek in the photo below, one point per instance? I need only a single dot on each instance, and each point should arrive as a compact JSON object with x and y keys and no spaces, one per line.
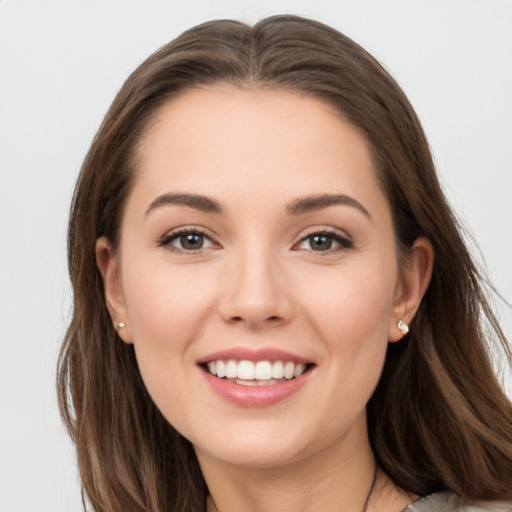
{"x":350,"y":312}
{"x":167,"y":309}
{"x":357,"y":300}
{"x":351,"y":320}
{"x":167,"y":302}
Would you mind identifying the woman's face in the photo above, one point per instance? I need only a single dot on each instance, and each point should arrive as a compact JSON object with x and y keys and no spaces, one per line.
{"x":256,"y":243}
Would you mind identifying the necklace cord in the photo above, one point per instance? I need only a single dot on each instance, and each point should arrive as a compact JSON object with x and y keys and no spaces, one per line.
{"x":365,"y":506}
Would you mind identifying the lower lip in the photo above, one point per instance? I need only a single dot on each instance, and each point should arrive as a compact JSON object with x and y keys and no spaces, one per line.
{"x":254,"y":396}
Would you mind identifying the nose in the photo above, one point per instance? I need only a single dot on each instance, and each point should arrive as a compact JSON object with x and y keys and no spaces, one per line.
{"x":255,"y":294}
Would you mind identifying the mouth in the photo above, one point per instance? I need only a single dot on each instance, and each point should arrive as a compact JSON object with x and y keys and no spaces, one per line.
{"x":255,"y":378}
{"x":255,"y":373}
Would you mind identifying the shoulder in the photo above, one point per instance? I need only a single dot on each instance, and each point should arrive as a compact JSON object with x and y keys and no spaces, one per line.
{"x":449,"y":501}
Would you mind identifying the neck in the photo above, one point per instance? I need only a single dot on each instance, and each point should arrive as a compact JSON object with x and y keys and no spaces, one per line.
{"x":337,"y":478}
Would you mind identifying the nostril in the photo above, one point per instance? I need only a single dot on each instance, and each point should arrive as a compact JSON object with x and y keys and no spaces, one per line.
{"x":273,"y":319}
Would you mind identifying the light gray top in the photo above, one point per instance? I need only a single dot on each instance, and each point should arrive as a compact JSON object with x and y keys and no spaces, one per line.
{"x":450,"y":502}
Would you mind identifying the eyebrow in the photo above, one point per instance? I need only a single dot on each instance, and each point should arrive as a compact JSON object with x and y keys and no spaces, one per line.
{"x":312,"y":203}
{"x":299,"y":206}
{"x":198,"y":202}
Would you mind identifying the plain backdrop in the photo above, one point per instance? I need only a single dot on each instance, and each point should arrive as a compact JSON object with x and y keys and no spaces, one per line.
{"x":61,"y":64}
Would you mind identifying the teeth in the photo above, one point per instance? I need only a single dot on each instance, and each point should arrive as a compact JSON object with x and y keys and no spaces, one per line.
{"x":262,"y":373}
{"x":278,"y":370}
{"x":246,"y":370}
{"x":231,"y":369}
{"x":263,"y":370}
{"x":269,"y":382}
{"x":289,"y":370}
{"x":299,"y":370}
{"x":221,"y":369}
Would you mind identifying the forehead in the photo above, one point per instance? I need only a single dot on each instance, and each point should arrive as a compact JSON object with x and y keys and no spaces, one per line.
{"x":225,"y":141}
{"x":226,"y":110}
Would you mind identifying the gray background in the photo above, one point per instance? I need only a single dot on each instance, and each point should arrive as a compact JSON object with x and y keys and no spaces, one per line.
{"x":61,"y":64}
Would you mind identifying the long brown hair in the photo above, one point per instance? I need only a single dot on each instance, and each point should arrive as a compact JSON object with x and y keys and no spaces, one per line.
{"x":438,"y":418}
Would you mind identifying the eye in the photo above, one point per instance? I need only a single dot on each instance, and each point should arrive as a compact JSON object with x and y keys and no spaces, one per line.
{"x":325,"y":241}
{"x":187,"y":240}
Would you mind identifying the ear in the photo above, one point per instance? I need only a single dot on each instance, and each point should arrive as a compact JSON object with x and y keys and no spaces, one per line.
{"x":108,"y":264}
{"x":412,"y":284}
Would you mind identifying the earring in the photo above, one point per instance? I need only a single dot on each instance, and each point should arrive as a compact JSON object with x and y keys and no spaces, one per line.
{"x":120,"y":325}
{"x":403,"y":327}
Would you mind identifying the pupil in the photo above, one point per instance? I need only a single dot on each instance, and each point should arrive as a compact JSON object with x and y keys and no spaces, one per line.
{"x":321,"y":242}
{"x":191,"y":241}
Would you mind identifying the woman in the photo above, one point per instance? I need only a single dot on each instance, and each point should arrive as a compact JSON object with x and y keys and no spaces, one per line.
{"x":274,"y":308}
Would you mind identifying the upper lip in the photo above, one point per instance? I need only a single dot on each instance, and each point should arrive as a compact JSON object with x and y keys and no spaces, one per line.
{"x":249,"y":354}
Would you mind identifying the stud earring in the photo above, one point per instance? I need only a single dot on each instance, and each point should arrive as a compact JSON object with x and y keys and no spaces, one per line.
{"x":120,"y":325}
{"x":403,"y":327}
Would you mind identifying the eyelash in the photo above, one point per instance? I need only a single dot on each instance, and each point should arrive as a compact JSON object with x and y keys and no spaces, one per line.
{"x":344,"y":241}
{"x":168,"y":238}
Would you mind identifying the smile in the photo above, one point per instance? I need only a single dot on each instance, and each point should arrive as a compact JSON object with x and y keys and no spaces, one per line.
{"x":255,"y":373}
{"x":248,"y":377}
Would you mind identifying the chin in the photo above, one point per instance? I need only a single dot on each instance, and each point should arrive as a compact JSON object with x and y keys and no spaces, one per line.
{"x":253,"y":456}
{"x":258,"y":446}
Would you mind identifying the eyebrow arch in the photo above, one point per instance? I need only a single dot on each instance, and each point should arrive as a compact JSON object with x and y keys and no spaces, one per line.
{"x":312,"y":203}
{"x":198,"y":202}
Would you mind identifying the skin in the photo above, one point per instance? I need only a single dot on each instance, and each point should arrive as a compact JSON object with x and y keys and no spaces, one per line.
{"x":257,"y":282}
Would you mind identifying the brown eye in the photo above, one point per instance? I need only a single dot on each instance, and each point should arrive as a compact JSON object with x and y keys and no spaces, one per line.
{"x":187,"y":241}
{"x":191,"y":241}
{"x":320,"y":242}
{"x":325,"y":241}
